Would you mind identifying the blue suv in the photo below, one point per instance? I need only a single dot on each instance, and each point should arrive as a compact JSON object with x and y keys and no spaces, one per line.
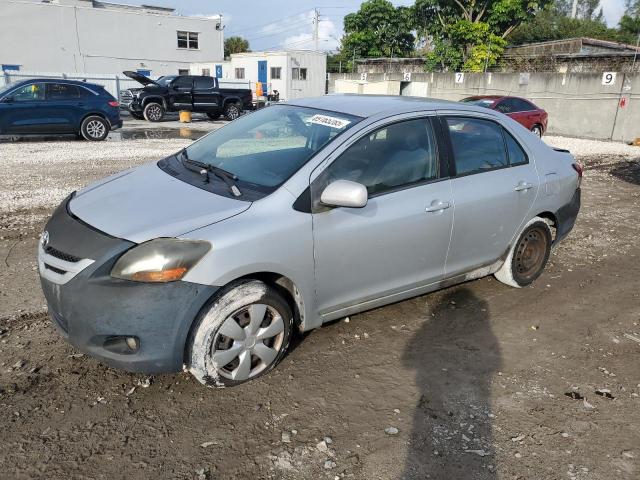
{"x":45,"y":107}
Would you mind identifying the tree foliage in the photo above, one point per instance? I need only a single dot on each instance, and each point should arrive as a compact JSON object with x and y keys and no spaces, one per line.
{"x":235,"y":45}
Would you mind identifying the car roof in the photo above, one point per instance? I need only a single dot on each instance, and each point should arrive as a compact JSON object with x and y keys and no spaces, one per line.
{"x":56,"y":80}
{"x":370,"y":105}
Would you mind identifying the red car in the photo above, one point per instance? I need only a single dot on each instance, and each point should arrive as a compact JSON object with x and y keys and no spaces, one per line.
{"x":521,"y":110}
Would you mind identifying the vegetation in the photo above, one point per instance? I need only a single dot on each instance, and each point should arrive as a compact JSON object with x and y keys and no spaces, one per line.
{"x":235,"y":45}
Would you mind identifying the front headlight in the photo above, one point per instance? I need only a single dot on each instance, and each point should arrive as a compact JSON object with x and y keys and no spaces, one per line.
{"x":160,"y":260}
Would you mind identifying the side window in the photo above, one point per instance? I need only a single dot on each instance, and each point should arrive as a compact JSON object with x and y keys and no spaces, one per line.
{"x":203,"y":82}
{"x":506,"y":106}
{"x":62,"y":91}
{"x":523,"y":105}
{"x":183,"y":82}
{"x":516,"y":153}
{"x":477,"y":144}
{"x":29,"y":93}
{"x":394,"y":156}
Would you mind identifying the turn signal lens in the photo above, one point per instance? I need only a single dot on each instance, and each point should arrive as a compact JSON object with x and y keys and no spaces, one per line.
{"x":160,"y":261}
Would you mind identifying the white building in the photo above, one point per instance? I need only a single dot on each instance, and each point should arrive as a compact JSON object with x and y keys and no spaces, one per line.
{"x":93,"y":36}
{"x":293,"y":73}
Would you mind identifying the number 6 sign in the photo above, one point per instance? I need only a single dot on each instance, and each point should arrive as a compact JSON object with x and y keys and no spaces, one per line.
{"x":608,"y":78}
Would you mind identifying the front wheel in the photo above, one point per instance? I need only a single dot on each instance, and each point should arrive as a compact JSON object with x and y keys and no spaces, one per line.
{"x":528,"y":256}
{"x":232,"y":111}
{"x":94,"y":128}
{"x":153,"y":112}
{"x":241,"y":335}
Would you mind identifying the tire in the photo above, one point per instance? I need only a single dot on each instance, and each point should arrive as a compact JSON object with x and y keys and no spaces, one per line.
{"x":232,"y":111}
{"x":214,"y":116}
{"x":153,"y":112}
{"x":226,"y":325}
{"x":137,"y":116}
{"x":528,"y":255}
{"x":537,"y":131}
{"x":94,"y":128}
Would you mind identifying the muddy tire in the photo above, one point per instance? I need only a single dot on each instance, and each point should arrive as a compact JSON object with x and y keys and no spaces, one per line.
{"x":528,"y":255}
{"x":153,"y":112}
{"x":240,"y":335}
{"x":214,"y":116}
{"x":232,"y":111}
{"x":94,"y":128}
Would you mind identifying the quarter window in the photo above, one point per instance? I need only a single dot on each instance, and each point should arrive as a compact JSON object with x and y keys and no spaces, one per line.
{"x":239,"y":73}
{"x":276,"y":73}
{"x":516,"y":153}
{"x":29,"y":93}
{"x":477,"y":144}
{"x":394,"y":156}
{"x":188,"y":40}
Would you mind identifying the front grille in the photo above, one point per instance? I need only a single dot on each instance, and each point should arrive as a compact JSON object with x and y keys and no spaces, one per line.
{"x":54,"y":252}
{"x":126,"y":97}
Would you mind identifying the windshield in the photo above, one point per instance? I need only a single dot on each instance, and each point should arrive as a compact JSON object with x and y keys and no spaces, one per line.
{"x":164,"y":81}
{"x":266,"y":147}
{"x":480,"y":102}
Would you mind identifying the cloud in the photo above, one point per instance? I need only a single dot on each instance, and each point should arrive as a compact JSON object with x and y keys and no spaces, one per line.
{"x":613,"y":10}
{"x":327,"y":35}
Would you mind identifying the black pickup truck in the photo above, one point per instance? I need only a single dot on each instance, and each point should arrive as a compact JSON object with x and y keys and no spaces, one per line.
{"x":173,"y":93}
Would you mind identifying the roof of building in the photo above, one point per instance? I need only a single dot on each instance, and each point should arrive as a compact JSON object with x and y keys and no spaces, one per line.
{"x":370,"y":105}
{"x":579,"y":46}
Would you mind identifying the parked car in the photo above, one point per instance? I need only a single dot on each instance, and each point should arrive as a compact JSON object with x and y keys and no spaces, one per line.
{"x":521,"y":110}
{"x":183,"y":92}
{"x":45,"y":106}
{"x":295,"y":215}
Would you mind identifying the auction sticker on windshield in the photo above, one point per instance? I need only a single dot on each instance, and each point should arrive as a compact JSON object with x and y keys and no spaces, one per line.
{"x":330,"y":121}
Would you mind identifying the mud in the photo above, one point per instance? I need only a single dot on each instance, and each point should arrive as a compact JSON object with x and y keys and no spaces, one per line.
{"x":481,"y":381}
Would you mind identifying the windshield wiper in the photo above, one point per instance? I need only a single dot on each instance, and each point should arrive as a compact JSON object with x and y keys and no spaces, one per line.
{"x":204,"y":168}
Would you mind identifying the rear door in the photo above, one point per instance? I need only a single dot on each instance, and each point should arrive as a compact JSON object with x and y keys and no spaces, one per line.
{"x":205,"y":94}
{"x":494,"y":186}
{"x":65,"y":105}
{"x":399,"y":240}
{"x":22,"y":111}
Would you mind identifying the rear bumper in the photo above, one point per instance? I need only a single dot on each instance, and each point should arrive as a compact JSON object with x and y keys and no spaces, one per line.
{"x":96,"y":313}
{"x":566,"y":216}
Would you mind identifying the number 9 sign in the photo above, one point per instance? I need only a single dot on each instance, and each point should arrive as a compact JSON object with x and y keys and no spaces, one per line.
{"x":608,"y":78}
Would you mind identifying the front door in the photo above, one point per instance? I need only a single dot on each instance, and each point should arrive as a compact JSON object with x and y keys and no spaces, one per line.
{"x":180,"y":96}
{"x":205,"y":96}
{"x":399,"y":240}
{"x":493,"y":190}
{"x":23,"y":112}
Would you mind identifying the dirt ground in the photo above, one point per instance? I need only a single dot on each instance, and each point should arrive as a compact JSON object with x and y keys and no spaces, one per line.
{"x":467,"y":383}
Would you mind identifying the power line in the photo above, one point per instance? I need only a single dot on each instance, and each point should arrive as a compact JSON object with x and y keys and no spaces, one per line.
{"x":273,"y":22}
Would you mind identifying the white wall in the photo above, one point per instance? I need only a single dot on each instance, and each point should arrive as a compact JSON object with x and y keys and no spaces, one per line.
{"x":74,"y":36}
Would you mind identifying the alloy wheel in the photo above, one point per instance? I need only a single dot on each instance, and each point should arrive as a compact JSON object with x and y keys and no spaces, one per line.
{"x":248,"y":342}
{"x":154,"y":113}
{"x":96,"y":129}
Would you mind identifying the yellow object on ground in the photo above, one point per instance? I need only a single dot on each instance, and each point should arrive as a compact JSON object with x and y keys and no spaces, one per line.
{"x":185,"y":116}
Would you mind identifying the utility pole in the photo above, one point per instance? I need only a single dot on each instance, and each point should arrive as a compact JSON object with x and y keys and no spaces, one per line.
{"x":316,"y":23}
{"x":574,"y":9}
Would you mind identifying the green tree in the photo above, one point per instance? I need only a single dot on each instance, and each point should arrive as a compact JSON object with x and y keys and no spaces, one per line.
{"x":235,"y":45}
{"x":469,"y":35}
{"x":378,"y":29}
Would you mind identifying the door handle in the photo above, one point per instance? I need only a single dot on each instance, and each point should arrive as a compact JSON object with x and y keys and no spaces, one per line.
{"x":437,"y":206}
{"x":523,"y":186}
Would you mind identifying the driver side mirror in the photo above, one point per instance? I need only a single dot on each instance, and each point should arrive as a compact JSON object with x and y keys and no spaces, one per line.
{"x":345,"y":193}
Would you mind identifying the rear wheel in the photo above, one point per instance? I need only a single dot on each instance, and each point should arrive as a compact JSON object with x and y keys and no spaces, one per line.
{"x":94,"y":128}
{"x":241,"y":335}
{"x":153,"y":112}
{"x":232,"y":111}
{"x":528,"y":256}
{"x":537,"y":131}
{"x":214,"y":116}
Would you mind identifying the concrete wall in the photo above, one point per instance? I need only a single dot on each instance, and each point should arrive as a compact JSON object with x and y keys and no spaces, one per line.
{"x":578,"y":104}
{"x":78,"y":37}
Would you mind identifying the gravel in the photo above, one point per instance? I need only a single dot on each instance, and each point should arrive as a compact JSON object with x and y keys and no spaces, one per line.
{"x":584,"y":147}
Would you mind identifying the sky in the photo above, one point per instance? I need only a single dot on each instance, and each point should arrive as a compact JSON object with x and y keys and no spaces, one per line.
{"x":289,"y":23}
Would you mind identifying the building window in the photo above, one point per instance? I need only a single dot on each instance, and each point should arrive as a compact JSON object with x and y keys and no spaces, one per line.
{"x":276,"y":73}
{"x":188,"y":40}
{"x":206,"y":72}
{"x":8,"y":67}
{"x":239,"y":73}
{"x":299,"y":73}
{"x":183,"y":71}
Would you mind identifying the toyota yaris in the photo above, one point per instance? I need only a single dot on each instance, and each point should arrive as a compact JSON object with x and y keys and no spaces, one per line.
{"x":293,"y":216}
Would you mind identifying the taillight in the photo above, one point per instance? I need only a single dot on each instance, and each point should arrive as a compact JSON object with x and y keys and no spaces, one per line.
{"x":113,"y":103}
{"x":579,"y":170}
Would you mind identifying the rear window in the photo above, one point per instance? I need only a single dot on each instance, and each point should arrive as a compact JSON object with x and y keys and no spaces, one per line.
{"x":479,"y":102}
{"x":63,"y":91}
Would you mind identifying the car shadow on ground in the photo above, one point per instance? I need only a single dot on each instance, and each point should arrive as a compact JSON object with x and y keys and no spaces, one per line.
{"x":628,"y":171}
{"x":455,"y":356}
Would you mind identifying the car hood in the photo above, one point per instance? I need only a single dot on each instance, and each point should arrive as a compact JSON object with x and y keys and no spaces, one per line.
{"x":138,"y":77}
{"x":144,"y":203}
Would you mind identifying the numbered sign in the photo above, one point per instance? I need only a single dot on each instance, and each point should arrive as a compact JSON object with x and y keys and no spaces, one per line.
{"x":406,"y":76}
{"x":459,"y":77}
{"x":608,"y":78}
{"x":363,"y":77}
